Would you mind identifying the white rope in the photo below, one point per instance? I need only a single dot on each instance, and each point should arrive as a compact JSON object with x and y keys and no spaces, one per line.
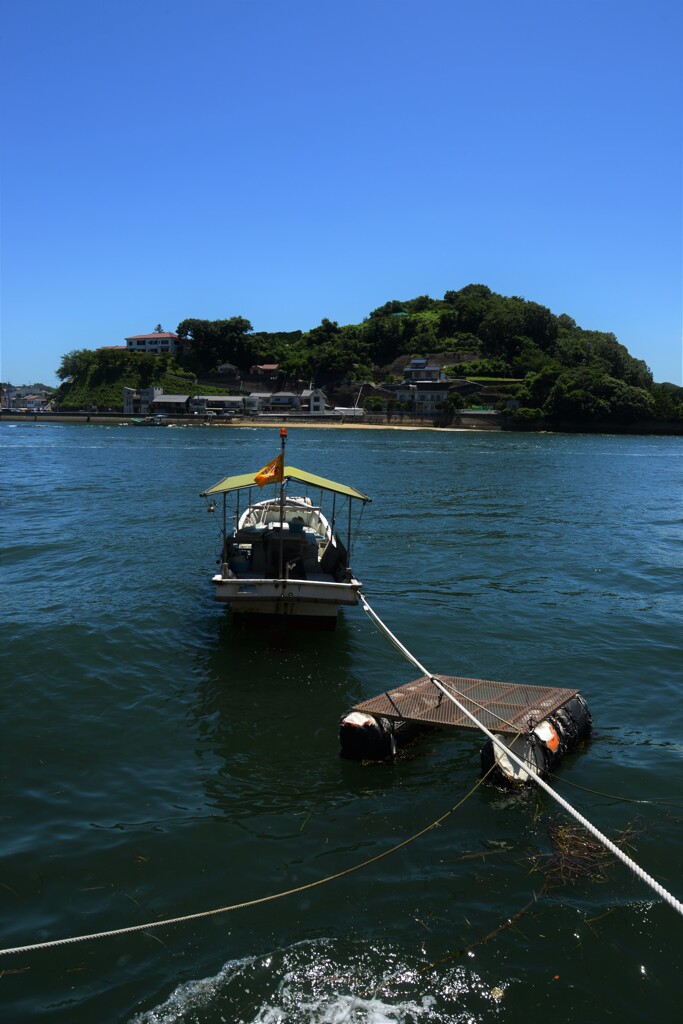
{"x":624,"y":858}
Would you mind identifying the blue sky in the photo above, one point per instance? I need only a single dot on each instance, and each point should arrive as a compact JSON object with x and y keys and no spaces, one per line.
{"x":289,"y":161}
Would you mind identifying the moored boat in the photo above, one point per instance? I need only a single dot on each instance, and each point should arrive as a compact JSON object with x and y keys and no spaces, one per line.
{"x":284,"y":562}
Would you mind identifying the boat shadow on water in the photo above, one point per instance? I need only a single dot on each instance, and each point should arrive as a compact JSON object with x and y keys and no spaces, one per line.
{"x":267,"y":713}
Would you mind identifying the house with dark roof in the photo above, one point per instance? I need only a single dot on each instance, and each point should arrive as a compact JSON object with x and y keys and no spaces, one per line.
{"x":422,"y":370}
{"x":228,"y":370}
{"x":284,"y":400}
{"x":172,"y":405}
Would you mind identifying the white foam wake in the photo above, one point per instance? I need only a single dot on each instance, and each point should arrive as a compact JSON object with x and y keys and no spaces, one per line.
{"x":317,"y":982}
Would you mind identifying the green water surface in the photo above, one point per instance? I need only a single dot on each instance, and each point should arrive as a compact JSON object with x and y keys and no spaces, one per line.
{"x":156,"y":762}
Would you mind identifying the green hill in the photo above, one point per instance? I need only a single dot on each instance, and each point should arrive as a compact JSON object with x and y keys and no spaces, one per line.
{"x":569,"y":375}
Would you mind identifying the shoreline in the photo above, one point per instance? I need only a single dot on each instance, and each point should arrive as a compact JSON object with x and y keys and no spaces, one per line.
{"x":478,"y":425}
{"x":100,"y":419}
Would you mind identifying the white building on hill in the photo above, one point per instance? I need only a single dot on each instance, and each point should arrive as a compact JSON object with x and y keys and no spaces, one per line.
{"x":158,"y":343}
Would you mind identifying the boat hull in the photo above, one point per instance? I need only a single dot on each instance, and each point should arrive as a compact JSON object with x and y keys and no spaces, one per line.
{"x":305,"y":603}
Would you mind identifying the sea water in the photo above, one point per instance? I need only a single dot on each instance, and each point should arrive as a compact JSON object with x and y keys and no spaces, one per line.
{"x":157,"y":762}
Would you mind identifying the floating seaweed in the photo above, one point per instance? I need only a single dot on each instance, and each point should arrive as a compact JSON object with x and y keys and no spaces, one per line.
{"x":577,"y":854}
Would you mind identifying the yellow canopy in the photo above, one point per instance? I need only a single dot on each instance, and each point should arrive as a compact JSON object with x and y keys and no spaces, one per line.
{"x":238,"y":483}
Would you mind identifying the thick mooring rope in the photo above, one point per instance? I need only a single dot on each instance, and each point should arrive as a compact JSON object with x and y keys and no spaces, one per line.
{"x":624,"y":858}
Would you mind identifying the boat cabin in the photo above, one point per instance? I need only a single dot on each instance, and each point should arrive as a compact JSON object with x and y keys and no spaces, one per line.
{"x":289,"y":540}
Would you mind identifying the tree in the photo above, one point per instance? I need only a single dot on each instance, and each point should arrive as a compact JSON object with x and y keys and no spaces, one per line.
{"x":455,"y":401}
{"x":500,"y":328}
{"x":388,"y":309}
{"x":75,"y":363}
{"x":471,"y":303}
{"x":421,"y":304}
{"x":668,"y":399}
{"x":629,"y":404}
{"x":540,"y":325}
{"x":381,"y":337}
{"x":537,"y":386}
{"x":448,"y":323}
{"x":479,"y":290}
{"x":323,"y":334}
{"x":530,"y":358}
{"x":576,"y":396}
{"x":592,"y":396}
{"x":217,"y":341}
{"x":373,"y":403}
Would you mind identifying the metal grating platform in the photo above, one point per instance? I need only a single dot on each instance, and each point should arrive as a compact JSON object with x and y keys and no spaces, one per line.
{"x":501,"y":707}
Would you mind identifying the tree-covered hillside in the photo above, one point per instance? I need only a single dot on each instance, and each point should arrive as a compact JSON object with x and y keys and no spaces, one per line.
{"x":567,"y":374}
{"x":97,"y":377}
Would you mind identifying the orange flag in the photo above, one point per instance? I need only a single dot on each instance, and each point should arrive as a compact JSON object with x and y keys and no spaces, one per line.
{"x":271,"y":473}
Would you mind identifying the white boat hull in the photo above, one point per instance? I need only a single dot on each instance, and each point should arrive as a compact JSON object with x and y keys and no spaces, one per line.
{"x":291,"y":599}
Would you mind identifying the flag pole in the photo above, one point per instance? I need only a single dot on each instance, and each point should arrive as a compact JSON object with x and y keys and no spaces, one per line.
{"x":283,"y":441}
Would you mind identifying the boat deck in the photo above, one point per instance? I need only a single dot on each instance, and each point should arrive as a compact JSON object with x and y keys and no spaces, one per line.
{"x":502,"y":707}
